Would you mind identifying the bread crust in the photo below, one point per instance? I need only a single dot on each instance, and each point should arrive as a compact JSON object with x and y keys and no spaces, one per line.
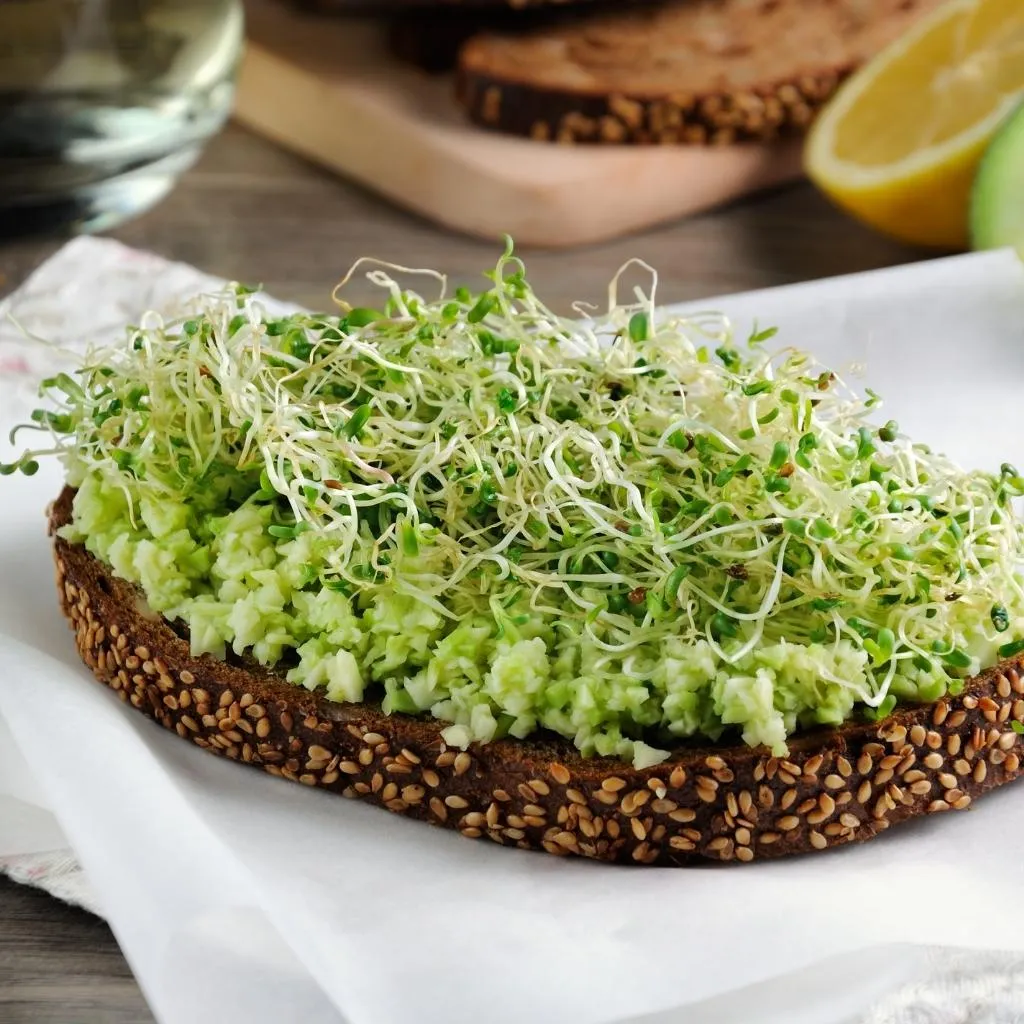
{"x":733,"y":803}
{"x":701,"y":72}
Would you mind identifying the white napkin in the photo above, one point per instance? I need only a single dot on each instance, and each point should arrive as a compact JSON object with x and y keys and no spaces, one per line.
{"x":237,"y":897}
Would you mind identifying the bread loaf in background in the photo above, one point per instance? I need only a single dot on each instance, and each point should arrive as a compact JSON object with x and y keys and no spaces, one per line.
{"x":692,"y":71}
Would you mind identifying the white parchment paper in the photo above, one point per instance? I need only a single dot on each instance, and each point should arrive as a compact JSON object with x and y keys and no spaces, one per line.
{"x":238,"y":897}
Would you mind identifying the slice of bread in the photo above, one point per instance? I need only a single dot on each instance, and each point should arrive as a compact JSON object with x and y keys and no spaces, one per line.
{"x":725,"y":803}
{"x":695,"y":71}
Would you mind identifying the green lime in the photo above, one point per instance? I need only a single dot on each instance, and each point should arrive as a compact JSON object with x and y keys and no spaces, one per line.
{"x":997,"y":198}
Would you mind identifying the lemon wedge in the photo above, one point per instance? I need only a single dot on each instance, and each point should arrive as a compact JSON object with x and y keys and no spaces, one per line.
{"x":899,"y":144}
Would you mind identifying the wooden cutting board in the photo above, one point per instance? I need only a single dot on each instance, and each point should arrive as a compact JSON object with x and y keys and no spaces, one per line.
{"x":330,"y":90}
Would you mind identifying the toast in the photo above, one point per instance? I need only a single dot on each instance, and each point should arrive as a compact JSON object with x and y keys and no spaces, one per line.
{"x":724,"y":803}
{"x":701,"y":72}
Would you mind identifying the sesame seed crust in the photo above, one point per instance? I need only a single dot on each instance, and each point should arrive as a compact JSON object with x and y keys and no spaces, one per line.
{"x":721,"y":803}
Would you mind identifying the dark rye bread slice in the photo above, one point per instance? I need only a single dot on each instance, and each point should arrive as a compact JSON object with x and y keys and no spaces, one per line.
{"x":695,"y":71}
{"x":723,"y":803}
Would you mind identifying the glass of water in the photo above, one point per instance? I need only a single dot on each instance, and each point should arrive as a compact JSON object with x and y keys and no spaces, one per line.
{"x":104,"y":103}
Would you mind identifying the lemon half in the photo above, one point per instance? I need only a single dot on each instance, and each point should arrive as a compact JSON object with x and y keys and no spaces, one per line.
{"x":899,"y":145}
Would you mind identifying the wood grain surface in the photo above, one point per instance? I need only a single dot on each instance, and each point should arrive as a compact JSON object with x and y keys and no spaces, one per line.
{"x":251,"y":212}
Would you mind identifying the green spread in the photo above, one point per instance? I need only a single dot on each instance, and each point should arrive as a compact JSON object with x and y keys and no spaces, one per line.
{"x":626,"y":531}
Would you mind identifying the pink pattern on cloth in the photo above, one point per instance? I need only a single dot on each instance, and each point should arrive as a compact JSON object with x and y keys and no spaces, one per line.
{"x":13,"y":364}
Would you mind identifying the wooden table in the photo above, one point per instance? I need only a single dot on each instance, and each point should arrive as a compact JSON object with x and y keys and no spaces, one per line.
{"x":253,"y":213}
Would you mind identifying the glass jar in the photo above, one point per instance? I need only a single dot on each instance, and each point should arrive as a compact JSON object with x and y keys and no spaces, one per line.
{"x":104,"y":103}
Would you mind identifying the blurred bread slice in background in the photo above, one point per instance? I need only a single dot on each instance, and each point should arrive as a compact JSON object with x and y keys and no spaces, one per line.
{"x":691,"y":72}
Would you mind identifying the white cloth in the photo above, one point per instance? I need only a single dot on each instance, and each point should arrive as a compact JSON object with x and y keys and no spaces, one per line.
{"x":277,"y":903}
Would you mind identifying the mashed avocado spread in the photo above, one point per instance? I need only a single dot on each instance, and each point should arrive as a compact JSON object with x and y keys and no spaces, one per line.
{"x":626,"y":531}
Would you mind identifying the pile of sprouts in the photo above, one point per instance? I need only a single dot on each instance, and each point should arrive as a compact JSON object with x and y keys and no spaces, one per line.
{"x":627,"y":478}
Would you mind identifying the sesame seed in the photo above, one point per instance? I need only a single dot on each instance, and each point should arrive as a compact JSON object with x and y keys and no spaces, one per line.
{"x":844,"y":766}
{"x":439,"y":808}
{"x":1003,"y":686}
{"x":883,"y":776}
{"x":1011,"y":764}
{"x":680,"y":843}
{"x":455,"y":801}
{"x":788,"y":822}
{"x":818,"y":841}
{"x":742,"y":836}
{"x":613,"y":828}
{"x":633,"y":801}
{"x":431,"y":778}
{"x":956,"y":719}
{"x":613,"y":784}
{"x":678,"y":777}
{"x":641,"y":853}
{"x":638,"y":829}
{"x":918,"y":733}
{"x":812,"y":764}
{"x":604,"y":797}
{"x":462,"y":763}
{"x":471,"y":833}
{"x":559,"y":773}
{"x":744,"y":853}
{"x":371,"y":739}
{"x":389,"y":792}
{"x":413,"y":794}
{"x":864,"y":792}
{"x":575,"y":796}
{"x":1007,"y":740}
{"x":683,"y":815}
{"x":714,"y":762}
{"x":663,"y":806}
{"x":933,"y":761}
{"x":767,"y":838}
